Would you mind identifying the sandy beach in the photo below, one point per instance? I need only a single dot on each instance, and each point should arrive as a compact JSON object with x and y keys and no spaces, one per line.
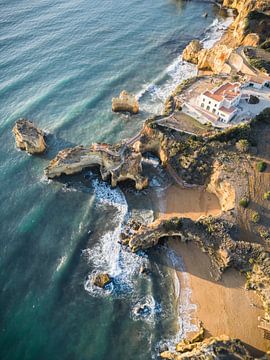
{"x":224,"y":306}
{"x":191,"y":203}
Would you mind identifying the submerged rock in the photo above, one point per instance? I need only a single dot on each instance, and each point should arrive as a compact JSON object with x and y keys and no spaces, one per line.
{"x":28,"y":137}
{"x":125,"y":103}
{"x":117,"y":163}
{"x":101,"y":280}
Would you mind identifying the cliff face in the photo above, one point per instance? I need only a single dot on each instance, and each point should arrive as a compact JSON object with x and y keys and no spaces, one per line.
{"x":223,"y":189}
{"x":251,"y":27}
{"x":28,"y":137}
{"x":221,"y":347}
{"x":117,"y":163}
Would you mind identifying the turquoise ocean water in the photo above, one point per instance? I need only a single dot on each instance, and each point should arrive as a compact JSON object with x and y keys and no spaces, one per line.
{"x":61,"y":62}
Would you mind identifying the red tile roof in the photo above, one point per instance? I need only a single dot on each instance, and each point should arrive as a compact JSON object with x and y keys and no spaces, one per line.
{"x":213,"y":96}
{"x":227,"y":110}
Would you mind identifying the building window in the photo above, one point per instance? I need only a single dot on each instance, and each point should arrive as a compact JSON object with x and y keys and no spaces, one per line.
{"x":202,"y":105}
{"x":215,"y":105}
{"x":208,"y":107}
{"x":214,"y":111}
{"x":203,"y":99}
{"x":209,"y":102}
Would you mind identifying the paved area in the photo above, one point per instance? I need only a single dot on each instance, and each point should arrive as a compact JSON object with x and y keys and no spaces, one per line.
{"x":247,"y":110}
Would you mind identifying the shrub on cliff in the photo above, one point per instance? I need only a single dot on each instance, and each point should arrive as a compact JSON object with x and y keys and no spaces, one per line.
{"x":238,"y":132}
{"x":242,"y":145}
{"x":261,"y":166}
{"x":244,"y":202}
{"x":255,"y":217}
{"x":266,"y":195}
{"x":264,"y":116}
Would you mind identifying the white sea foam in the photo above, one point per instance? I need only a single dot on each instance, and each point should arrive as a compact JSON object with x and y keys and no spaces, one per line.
{"x":146,"y":309}
{"x":186,"y":307}
{"x":152,"y":96}
{"x":108,"y":255}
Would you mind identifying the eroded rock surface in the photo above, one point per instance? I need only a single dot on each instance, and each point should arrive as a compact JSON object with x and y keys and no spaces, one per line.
{"x":116,"y":162}
{"x":221,"y":347}
{"x":28,"y":137}
{"x":125,"y":103}
{"x":191,"y":52}
{"x":101,"y":280}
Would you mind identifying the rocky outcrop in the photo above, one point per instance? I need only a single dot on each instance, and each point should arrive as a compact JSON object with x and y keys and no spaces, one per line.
{"x":191,"y":52}
{"x":221,"y":347}
{"x":213,"y":236}
{"x":125,"y":103}
{"x":250,"y":28}
{"x":101,"y":280}
{"x":116,"y":162}
{"x":222,"y":188}
{"x":28,"y":137}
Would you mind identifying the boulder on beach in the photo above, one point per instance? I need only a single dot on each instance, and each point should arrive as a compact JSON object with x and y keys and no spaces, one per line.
{"x":102,"y":279}
{"x":28,"y":137}
{"x":191,"y":52}
{"x":125,"y":103}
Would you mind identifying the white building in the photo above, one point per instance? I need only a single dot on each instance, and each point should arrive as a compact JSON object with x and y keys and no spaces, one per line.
{"x":221,"y":101}
{"x":258,"y":81}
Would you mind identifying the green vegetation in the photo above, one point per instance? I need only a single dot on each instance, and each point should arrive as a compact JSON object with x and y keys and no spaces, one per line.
{"x":255,"y":217}
{"x":242,"y":145}
{"x":266,"y":195}
{"x":244,"y":202}
{"x":238,"y":132}
{"x":265,"y":45}
{"x":261,"y":166}
{"x":264,"y":116}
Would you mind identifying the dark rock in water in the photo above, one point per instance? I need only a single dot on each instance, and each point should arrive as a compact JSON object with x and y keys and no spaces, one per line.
{"x":28,"y":137}
{"x":205,"y":15}
{"x":144,"y":270}
{"x":143,"y":310}
{"x":87,"y":176}
{"x":101,"y":280}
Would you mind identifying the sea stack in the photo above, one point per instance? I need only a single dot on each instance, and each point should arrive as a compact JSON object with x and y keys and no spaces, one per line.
{"x":125,"y":103}
{"x":28,"y":137}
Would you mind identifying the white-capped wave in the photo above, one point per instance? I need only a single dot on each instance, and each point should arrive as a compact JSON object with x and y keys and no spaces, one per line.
{"x":108,"y":255}
{"x":153,"y":96}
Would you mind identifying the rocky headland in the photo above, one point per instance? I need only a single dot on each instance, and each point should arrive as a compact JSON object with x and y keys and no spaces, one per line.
{"x":28,"y":137}
{"x":116,"y":163}
{"x":249,"y":28}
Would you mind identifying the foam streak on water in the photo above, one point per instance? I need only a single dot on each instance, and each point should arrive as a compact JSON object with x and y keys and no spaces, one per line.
{"x":153,"y":96}
{"x":108,"y":255}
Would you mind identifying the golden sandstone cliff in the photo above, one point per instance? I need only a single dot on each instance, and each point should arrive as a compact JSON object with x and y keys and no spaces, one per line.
{"x":116,"y":162}
{"x":28,"y":137}
{"x":251,"y":27}
{"x":125,"y":103}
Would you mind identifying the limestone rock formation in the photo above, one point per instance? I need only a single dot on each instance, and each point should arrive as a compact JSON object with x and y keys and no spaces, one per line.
{"x":28,"y":137}
{"x":191,"y":52}
{"x":117,"y":163}
{"x":221,"y":347}
{"x":101,"y":280}
{"x":125,"y":103}
{"x":250,"y":28}
{"x":224,"y":190}
{"x":214,"y":59}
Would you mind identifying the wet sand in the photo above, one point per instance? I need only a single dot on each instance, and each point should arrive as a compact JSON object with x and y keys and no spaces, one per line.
{"x":224,"y":307}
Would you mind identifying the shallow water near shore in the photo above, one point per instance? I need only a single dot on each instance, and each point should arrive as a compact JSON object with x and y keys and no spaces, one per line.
{"x":61,"y":63}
